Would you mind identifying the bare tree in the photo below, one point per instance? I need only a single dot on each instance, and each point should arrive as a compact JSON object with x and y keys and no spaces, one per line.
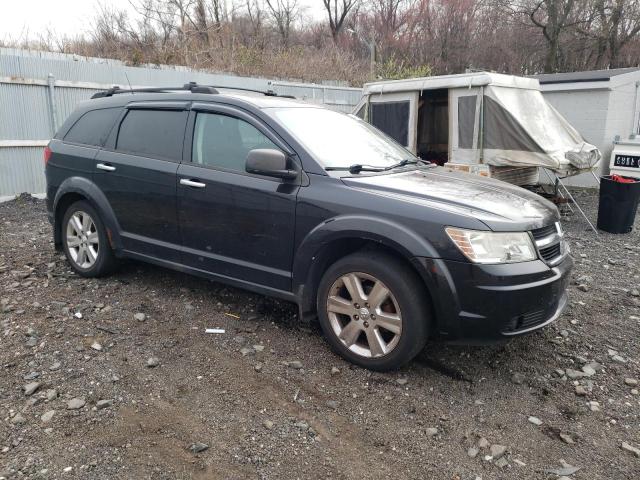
{"x":338,"y":13}
{"x":283,"y":12}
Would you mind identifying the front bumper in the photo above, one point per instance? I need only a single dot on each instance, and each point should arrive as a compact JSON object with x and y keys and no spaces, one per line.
{"x":477,"y":304}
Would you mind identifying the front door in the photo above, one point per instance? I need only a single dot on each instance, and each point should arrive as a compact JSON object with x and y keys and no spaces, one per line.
{"x":234,"y":224}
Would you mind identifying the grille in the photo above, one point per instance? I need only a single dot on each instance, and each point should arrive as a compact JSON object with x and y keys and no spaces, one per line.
{"x":544,"y":231}
{"x":549,"y":243}
{"x":527,"y":320}
{"x":551,"y":252}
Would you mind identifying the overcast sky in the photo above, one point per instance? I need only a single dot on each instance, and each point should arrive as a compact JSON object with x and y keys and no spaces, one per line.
{"x":20,"y":19}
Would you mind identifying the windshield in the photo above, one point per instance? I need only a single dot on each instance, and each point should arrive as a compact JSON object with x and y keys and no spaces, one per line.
{"x":338,"y":140}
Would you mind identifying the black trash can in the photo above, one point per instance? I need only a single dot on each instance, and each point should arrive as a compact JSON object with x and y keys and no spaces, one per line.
{"x":618,"y":204}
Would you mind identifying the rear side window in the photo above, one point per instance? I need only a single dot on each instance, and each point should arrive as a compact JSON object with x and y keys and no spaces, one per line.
{"x":223,"y":141}
{"x":93,"y":127}
{"x":153,"y":133}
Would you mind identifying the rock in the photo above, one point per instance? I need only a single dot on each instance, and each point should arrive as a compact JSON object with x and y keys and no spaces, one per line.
{"x":497,"y":451}
{"x":76,"y":404}
{"x":473,"y":452}
{"x":258,"y":367}
{"x":31,"y":388}
{"x":402,"y":381}
{"x":100,"y":404}
{"x":198,"y":447}
{"x":47,"y":416}
{"x":588,"y":370}
{"x":67,"y":469}
{"x":594,"y":406}
{"x":258,"y":348}
{"x":565,"y":471}
{"x":573,"y":374}
{"x":619,"y":359}
{"x":535,"y":421}
{"x":18,"y":419}
{"x":141,"y":317}
{"x":268,"y":424}
{"x":583,"y":287}
{"x":431,"y":432}
{"x":335,"y":371}
{"x":518,"y":378}
{"x":580,"y":391}
{"x":483,"y":443}
{"x":632,"y":382}
{"x":55,"y":366}
{"x":77,"y":315}
{"x":297,"y":365}
{"x":245,"y":351}
{"x":635,"y":292}
{"x":630,"y":448}
{"x":502,"y":462}
{"x":302,"y":425}
{"x":96,"y":346}
{"x":153,"y":362}
{"x":332,"y":404}
{"x":566,"y":438}
{"x":52,"y":394}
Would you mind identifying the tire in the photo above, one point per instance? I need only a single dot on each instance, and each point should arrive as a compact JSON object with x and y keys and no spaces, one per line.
{"x":88,"y":250}
{"x":385,"y":334}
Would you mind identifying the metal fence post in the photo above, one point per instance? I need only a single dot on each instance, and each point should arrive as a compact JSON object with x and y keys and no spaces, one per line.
{"x":53,"y":110}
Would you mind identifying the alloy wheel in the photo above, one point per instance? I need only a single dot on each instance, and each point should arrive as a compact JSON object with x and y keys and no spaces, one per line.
{"x":364,"y":314}
{"x":82,"y":239}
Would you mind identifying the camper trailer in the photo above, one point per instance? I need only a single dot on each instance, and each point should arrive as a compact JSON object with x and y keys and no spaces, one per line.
{"x":484,"y":123}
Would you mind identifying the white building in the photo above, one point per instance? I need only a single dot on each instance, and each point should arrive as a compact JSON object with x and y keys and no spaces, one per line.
{"x":600,"y":104}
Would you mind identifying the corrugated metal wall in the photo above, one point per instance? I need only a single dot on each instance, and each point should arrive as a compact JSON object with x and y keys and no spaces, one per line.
{"x":30,"y":111}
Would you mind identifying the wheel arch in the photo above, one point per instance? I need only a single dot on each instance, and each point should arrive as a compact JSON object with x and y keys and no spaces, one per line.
{"x":342,"y":236}
{"x":79,"y":188}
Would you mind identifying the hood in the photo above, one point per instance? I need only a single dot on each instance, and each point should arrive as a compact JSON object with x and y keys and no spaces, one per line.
{"x":501,"y":206}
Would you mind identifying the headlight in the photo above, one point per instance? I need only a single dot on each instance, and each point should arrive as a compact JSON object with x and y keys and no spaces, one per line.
{"x":493,"y":247}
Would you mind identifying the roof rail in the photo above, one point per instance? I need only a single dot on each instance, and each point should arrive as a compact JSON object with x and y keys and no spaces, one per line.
{"x":192,"y":87}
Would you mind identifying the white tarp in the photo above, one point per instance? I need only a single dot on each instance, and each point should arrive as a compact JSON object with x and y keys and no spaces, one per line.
{"x":520,"y":128}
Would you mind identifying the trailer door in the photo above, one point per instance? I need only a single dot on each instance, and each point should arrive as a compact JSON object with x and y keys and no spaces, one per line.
{"x":396,"y":114}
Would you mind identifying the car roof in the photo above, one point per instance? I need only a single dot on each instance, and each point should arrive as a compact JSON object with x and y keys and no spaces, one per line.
{"x":256,"y":100}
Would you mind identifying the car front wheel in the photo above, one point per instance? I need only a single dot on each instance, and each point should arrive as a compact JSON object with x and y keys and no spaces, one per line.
{"x":373,"y":310}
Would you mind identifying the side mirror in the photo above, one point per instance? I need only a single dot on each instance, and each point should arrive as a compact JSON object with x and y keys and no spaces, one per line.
{"x":270,"y":162}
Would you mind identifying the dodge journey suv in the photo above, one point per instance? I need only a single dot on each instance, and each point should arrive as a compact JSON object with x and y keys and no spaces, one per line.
{"x":310,"y":205}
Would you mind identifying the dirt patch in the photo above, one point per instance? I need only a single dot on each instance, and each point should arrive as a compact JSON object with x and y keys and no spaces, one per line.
{"x":441,"y":417}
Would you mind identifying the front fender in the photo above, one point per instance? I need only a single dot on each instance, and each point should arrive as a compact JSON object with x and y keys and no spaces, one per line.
{"x":90,"y":191}
{"x":386,"y":232}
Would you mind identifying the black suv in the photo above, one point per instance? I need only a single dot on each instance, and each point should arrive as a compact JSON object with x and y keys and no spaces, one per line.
{"x":313,"y":206}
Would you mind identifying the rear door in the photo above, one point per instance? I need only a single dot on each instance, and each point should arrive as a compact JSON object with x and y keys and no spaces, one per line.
{"x":137,"y":172}
{"x":396,"y":114}
{"x":234,"y":224}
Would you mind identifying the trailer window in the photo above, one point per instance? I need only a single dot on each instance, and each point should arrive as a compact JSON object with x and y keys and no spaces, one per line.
{"x":392,"y":118}
{"x":466,"y":120}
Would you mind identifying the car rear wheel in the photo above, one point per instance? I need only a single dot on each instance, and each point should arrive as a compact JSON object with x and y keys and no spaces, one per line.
{"x":373,"y":310}
{"x":85,"y":241}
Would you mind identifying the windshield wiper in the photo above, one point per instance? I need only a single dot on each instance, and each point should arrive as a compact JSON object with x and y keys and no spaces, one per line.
{"x":358,"y":167}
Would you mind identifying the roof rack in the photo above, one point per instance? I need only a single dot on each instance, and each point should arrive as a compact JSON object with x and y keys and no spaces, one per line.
{"x":192,"y":87}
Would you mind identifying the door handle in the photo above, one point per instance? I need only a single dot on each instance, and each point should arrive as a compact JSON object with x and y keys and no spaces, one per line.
{"x":106,"y":168}
{"x":192,"y":183}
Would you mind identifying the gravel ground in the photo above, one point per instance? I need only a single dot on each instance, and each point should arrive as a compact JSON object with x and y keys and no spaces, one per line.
{"x":116,"y":378}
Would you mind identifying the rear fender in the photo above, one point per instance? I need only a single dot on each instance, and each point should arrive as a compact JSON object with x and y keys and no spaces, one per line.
{"x":89,"y":190}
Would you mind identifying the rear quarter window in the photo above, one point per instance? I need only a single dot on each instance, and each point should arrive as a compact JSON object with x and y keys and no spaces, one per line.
{"x":153,"y":133}
{"x":93,"y":127}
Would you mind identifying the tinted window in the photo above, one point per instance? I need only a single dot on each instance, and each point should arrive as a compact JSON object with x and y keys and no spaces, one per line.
{"x":392,"y":118}
{"x":153,"y":133}
{"x":93,"y":127}
{"x":223,"y":141}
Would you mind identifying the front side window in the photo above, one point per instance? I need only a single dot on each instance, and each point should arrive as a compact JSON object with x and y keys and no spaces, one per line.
{"x":153,"y":133}
{"x":222,"y":141}
{"x":338,"y":140}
